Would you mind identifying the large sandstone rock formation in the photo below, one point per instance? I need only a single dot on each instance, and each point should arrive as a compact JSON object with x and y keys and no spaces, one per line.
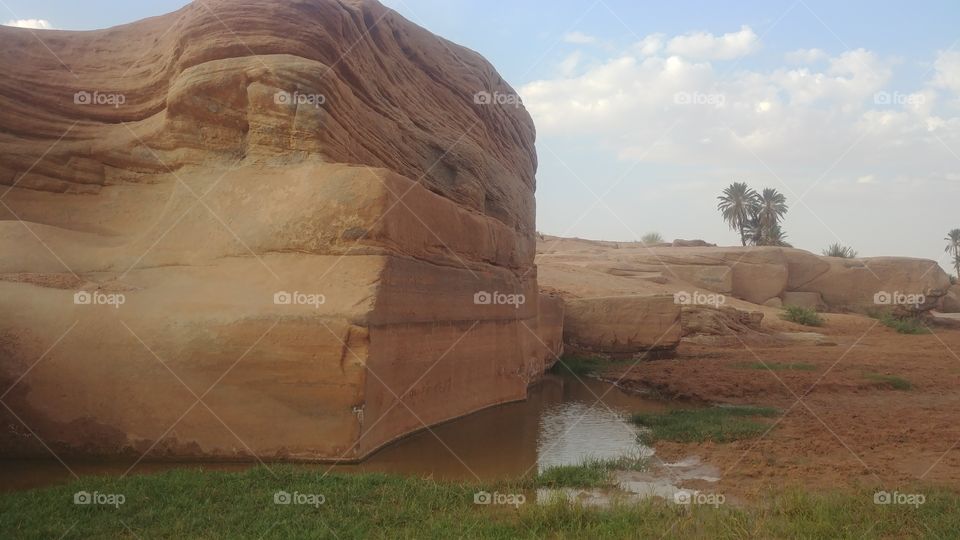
{"x":719,"y":289}
{"x":305,"y":215}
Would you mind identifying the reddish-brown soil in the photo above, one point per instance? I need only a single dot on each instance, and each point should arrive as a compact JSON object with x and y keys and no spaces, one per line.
{"x":839,"y":428}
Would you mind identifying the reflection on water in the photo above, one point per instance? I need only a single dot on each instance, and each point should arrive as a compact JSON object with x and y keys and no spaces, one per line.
{"x":561,"y":422}
{"x":571,"y":431}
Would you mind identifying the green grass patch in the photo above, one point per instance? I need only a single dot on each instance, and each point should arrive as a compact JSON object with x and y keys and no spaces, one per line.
{"x":903,"y":325}
{"x":897,"y":383}
{"x":802,"y":315}
{"x":219,"y":505}
{"x":717,"y":424}
{"x":585,"y":475}
{"x":776,"y":366}
{"x":591,"y":472}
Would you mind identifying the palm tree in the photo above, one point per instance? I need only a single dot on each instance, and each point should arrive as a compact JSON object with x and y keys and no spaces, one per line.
{"x":762,"y":227}
{"x":953,"y":247}
{"x":776,"y":237}
{"x":737,"y":204}
{"x":773,"y":206}
{"x":752,"y":231}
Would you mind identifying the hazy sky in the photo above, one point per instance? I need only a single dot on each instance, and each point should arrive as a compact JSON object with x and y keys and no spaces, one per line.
{"x":646,"y":110}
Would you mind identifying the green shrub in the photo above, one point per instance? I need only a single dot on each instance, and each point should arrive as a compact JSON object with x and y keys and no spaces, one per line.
{"x":802,"y":315}
{"x":897,"y":383}
{"x":839,"y":250}
{"x":903,"y":325}
{"x":652,"y":238}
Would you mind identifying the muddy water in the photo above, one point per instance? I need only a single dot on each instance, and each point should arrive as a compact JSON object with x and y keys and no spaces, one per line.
{"x":561,"y":422}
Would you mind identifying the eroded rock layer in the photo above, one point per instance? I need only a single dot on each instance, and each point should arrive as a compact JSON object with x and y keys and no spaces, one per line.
{"x":679,"y":291}
{"x":281,"y":229}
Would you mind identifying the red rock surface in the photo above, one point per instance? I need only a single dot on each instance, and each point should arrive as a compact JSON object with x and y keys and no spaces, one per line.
{"x":200,"y":162}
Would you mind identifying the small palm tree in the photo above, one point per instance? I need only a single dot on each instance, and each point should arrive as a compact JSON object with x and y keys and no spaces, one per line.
{"x":753,"y":232}
{"x":776,"y":237}
{"x":953,"y":247}
{"x":773,"y":206}
{"x":737,"y":204}
{"x":839,"y":250}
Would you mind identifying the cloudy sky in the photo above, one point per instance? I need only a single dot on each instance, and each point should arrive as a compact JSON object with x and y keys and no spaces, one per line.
{"x":646,"y":110}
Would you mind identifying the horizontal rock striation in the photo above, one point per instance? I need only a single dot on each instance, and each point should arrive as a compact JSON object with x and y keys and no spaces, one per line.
{"x":282,"y":220}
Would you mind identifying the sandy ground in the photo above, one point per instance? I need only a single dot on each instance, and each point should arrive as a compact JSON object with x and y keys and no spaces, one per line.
{"x":840,"y":429}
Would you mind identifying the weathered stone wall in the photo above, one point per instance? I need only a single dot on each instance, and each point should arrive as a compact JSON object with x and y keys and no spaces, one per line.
{"x":212,"y":187}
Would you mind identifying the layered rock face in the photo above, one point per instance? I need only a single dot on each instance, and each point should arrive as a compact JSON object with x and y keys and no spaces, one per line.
{"x":282,"y":229}
{"x":675,"y":291}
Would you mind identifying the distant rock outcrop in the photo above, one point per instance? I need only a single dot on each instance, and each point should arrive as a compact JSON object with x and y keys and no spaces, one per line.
{"x":706,"y":281}
{"x":287,"y":229}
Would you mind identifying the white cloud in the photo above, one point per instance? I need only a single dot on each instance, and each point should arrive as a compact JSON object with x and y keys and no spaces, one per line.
{"x":578,"y":38}
{"x":37,"y":24}
{"x":805,"y":56}
{"x":672,"y":109}
{"x":650,"y":45}
{"x":947,"y":66}
{"x":702,"y":45}
{"x":852,"y":77}
{"x":866,"y":179}
{"x":570,"y":63}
